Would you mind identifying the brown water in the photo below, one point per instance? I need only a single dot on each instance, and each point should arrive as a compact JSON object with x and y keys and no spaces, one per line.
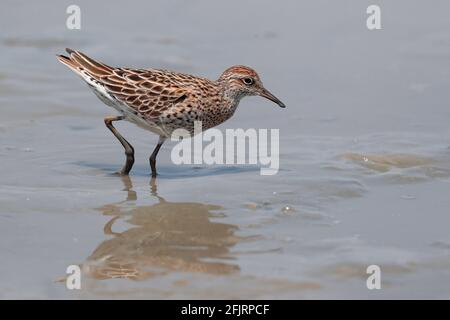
{"x":364,"y":154}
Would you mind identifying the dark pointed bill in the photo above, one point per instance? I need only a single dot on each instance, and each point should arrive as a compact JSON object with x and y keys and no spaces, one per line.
{"x":266,"y":94}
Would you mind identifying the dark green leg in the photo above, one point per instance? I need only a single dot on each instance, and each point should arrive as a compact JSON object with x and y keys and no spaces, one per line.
{"x":129,"y":151}
{"x":153,"y":156}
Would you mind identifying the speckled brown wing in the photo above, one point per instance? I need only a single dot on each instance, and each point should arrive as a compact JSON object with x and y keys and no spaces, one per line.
{"x":148,"y":91}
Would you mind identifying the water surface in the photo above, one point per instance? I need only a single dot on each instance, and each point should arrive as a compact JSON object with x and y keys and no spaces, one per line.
{"x":364,"y":154}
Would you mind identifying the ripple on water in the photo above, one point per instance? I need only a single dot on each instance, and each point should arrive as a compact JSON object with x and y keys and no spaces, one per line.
{"x":35,"y":43}
{"x":401,"y":168}
{"x":357,"y":270}
{"x":337,"y":188}
{"x":386,"y":162}
{"x":441,"y":245}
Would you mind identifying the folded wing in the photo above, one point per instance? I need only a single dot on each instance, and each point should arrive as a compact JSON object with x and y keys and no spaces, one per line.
{"x":148,"y":91}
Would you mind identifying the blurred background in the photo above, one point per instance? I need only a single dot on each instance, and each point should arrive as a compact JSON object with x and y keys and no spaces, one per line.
{"x":364,"y":154}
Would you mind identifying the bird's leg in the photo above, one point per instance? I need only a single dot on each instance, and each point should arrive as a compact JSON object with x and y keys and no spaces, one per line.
{"x":154,"y":154}
{"x":129,"y":151}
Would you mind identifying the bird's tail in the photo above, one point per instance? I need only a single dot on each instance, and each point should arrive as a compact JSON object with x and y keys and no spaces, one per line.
{"x":82,"y":64}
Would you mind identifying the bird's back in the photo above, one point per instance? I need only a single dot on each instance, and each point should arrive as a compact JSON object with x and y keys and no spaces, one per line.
{"x":158,"y":100}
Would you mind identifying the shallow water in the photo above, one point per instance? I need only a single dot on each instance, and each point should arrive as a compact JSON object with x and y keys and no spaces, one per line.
{"x":364,"y":155}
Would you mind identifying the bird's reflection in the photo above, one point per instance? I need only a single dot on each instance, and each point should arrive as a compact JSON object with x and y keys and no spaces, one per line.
{"x":163,"y":237}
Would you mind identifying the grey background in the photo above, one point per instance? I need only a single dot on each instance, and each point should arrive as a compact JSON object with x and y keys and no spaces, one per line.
{"x":308,"y":232}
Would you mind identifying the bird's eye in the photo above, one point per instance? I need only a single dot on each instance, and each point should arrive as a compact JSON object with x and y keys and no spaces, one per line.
{"x":248,"y":81}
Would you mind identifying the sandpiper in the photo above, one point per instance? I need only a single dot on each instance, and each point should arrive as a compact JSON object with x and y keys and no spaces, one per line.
{"x":162,"y":101}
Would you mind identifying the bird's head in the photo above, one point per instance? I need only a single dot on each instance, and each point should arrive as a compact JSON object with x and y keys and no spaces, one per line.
{"x":241,"y":81}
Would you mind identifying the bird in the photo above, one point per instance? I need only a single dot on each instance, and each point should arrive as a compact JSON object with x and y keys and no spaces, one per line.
{"x":162,"y":101}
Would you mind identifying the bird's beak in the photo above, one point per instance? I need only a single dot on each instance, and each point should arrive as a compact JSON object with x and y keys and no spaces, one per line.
{"x":266,"y":94}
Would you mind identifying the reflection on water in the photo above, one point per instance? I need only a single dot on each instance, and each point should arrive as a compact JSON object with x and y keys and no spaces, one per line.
{"x":164,"y":237}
